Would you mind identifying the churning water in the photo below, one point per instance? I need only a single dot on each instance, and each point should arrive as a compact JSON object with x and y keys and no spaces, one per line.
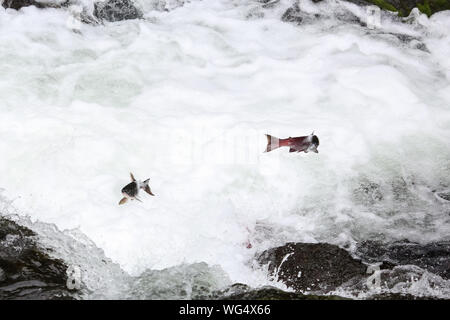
{"x":184,"y":97}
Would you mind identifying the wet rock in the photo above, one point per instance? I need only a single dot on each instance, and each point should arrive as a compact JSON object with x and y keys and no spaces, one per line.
{"x":26,"y":270}
{"x":116,"y":10}
{"x":358,"y":2}
{"x":367,"y":192}
{"x":295,"y":15}
{"x":269,"y":3}
{"x":433,"y":257}
{"x":405,"y":39}
{"x":109,"y":10}
{"x":314,"y":267}
{"x":444,"y":195}
{"x":239,"y":291}
{"x":18,"y":4}
{"x":400,"y":296}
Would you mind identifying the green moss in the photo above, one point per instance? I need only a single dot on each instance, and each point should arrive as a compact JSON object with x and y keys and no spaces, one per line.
{"x":384,"y":5}
{"x":403,"y":8}
{"x":403,"y":12}
{"x":424,"y":8}
{"x":439,"y":5}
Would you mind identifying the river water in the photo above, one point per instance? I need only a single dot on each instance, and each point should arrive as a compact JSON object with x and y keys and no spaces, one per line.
{"x":184,"y":97}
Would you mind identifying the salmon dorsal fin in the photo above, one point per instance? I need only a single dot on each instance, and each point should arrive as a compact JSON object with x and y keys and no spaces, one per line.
{"x":132,"y":177}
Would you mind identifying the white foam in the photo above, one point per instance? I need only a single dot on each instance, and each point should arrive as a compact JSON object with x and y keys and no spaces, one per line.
{"x":185,"y":97}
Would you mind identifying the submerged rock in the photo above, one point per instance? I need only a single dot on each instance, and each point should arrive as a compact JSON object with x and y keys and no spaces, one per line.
{"x":109,"y":10}
{"x":400,"y":296}
{"x":116,"y":10}
{"x":294,"y":14}
{"x":239,"y":291}
{"x":314,"y":267}
{"x":444,"y":195}
{"x":26,"y":271}
{"x":321,"y":268}
{"x":433,"y":257}
{"x":18,"y":4}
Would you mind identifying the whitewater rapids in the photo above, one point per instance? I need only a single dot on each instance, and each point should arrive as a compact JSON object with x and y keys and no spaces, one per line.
{"x":185,"y":96}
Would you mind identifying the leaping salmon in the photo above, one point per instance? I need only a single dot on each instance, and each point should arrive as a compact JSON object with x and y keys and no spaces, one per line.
{"x":131,"y":190}
{"x":296,"y":144}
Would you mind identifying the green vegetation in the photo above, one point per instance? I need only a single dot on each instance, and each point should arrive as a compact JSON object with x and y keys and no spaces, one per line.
{"x":404,"y":7}
{"x":424,"y":8}
{"x":384,"y":5}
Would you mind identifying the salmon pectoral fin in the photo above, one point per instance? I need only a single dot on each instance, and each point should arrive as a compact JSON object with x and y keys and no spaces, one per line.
{"x":124,"y":199}
{"x":147,"y":189}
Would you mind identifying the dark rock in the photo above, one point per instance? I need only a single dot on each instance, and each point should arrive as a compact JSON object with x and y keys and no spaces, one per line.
{"x":117,"y":10}
{"x":444,"y":195}
{"x":317,"y":267}
{"x":110,"y":10}
{"x":18,"y":4}
{"x":405,"y":39}
{"x":295,"y":15}
{"x":269,"y":3}
{"x":358,"y":2}
{"x":26,"y":271}
{"x":239,"y":291}
{"x":434,"y":256}
{"x":400,"y":296}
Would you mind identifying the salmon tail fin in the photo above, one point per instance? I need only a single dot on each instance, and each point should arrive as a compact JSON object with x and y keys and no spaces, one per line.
{"x":147,"y":188}
{"x":272,"y":143}
{"x":132,"y":177}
